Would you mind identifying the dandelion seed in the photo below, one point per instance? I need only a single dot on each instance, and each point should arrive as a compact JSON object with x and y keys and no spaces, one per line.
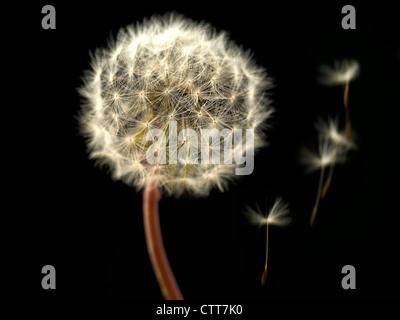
{"x":342,"y":74}
{"x":276,"y":216}
{"x":316,"y":160}
{"x":320,"y":160}
{"x":330,"y":130}
{"x":340,"y":146}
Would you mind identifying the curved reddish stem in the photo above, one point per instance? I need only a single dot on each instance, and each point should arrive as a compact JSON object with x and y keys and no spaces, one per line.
{"x":155,"y":246}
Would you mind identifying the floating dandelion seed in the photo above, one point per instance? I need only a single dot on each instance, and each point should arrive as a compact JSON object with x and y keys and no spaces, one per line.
{"x":342,"y":74}
{"x":277,"y":216}
{"x":320,"y":160}
{"x":332,"y":149}
{"x":329,"y":130}
{"x":316,"y":160}
{"x":170,"y":69}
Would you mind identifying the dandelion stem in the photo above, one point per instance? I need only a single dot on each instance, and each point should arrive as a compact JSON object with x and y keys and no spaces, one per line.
{"x":155,"y":247}
{"x":264,"y":275}
{"x":346,"y":108}
{"x":314,"y":212}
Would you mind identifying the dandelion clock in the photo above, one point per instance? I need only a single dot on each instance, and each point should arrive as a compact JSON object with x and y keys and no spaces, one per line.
{"x":171,"y":106}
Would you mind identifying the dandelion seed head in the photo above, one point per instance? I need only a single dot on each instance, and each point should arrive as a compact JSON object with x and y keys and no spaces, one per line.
{"x":343,"y":72}
{"x":170,"y":68}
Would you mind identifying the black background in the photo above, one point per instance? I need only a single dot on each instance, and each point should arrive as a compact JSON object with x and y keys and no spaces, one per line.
{"x":74,"y":217}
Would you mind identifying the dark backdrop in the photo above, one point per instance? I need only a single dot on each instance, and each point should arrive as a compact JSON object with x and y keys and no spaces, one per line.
{"x":90,"y":228}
